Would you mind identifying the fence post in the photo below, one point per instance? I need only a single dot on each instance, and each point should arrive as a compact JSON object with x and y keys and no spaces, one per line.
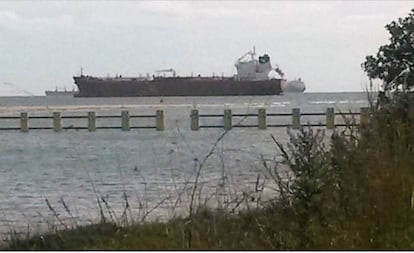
{"x":195,"y":125}
{"x":364,"y":116}
{"x":295,"y":118}
{"x":24,"y":122}
{"x":57,"y":122}
{"x":159,"y":120}
{"x":91,"y":121}
{"x":330,"y":118}
{"x":412,"y":197}
{"x":227,"y":119}
{"x":125,"y":120}
{"x":262,"y":118}
{"x":411,"y":108}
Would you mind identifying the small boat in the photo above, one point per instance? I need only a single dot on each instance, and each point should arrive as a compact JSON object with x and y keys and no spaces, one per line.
{"x":294,"y":86}
{"x":65,"y":93}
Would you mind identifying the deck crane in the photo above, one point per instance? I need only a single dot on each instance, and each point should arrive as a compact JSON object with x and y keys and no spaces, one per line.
{"x":279,"y":71}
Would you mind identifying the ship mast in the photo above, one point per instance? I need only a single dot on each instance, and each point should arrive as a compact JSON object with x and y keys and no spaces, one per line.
{"x":251,"y":53}
{"x":254,"y":52}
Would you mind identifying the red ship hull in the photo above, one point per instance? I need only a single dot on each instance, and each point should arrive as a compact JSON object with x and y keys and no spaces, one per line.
{"x":174,"y":86}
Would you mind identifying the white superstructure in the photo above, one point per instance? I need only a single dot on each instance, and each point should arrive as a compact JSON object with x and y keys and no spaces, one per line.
{"x":253,"y":69}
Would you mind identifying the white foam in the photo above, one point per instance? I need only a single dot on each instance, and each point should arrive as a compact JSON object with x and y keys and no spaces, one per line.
{"x":323,"y":102}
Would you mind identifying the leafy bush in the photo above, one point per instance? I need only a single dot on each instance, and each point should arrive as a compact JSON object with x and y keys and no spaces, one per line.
{"x":394,"y":62}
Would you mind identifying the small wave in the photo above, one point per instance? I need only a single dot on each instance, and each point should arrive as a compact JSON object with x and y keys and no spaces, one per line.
{"x":339,"y":102}
{"x":279,"y":104}
{"x":357,"y":102}
{"x":323,"y":102}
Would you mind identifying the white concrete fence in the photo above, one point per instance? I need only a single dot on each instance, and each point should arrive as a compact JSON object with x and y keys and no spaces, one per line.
{"x":159,"y":120}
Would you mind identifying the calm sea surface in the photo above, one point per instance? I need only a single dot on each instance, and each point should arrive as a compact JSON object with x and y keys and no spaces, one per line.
{"x":152,"y":169}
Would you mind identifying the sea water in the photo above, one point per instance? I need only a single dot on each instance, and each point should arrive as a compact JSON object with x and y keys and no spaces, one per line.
{"x":154,"y":171}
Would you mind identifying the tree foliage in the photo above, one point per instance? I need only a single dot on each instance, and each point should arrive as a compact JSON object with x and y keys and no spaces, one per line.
{"x":394,"y":62}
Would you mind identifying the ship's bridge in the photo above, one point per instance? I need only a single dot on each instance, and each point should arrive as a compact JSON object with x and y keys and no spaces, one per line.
{"x":253,"y":69}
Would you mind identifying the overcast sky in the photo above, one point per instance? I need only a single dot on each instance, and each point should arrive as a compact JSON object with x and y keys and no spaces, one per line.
{"x":43,"y":44}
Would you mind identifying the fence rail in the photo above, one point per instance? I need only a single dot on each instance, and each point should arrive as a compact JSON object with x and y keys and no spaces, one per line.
{"x":262,"y":119}
{"x":159,"y":120}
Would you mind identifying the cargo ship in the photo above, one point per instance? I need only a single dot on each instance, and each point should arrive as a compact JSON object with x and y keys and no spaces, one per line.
{"x":252,"y":78}
{"x":62,"y":93}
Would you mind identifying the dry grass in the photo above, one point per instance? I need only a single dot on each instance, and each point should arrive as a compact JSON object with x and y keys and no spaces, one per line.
{"x":354,"y":191}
